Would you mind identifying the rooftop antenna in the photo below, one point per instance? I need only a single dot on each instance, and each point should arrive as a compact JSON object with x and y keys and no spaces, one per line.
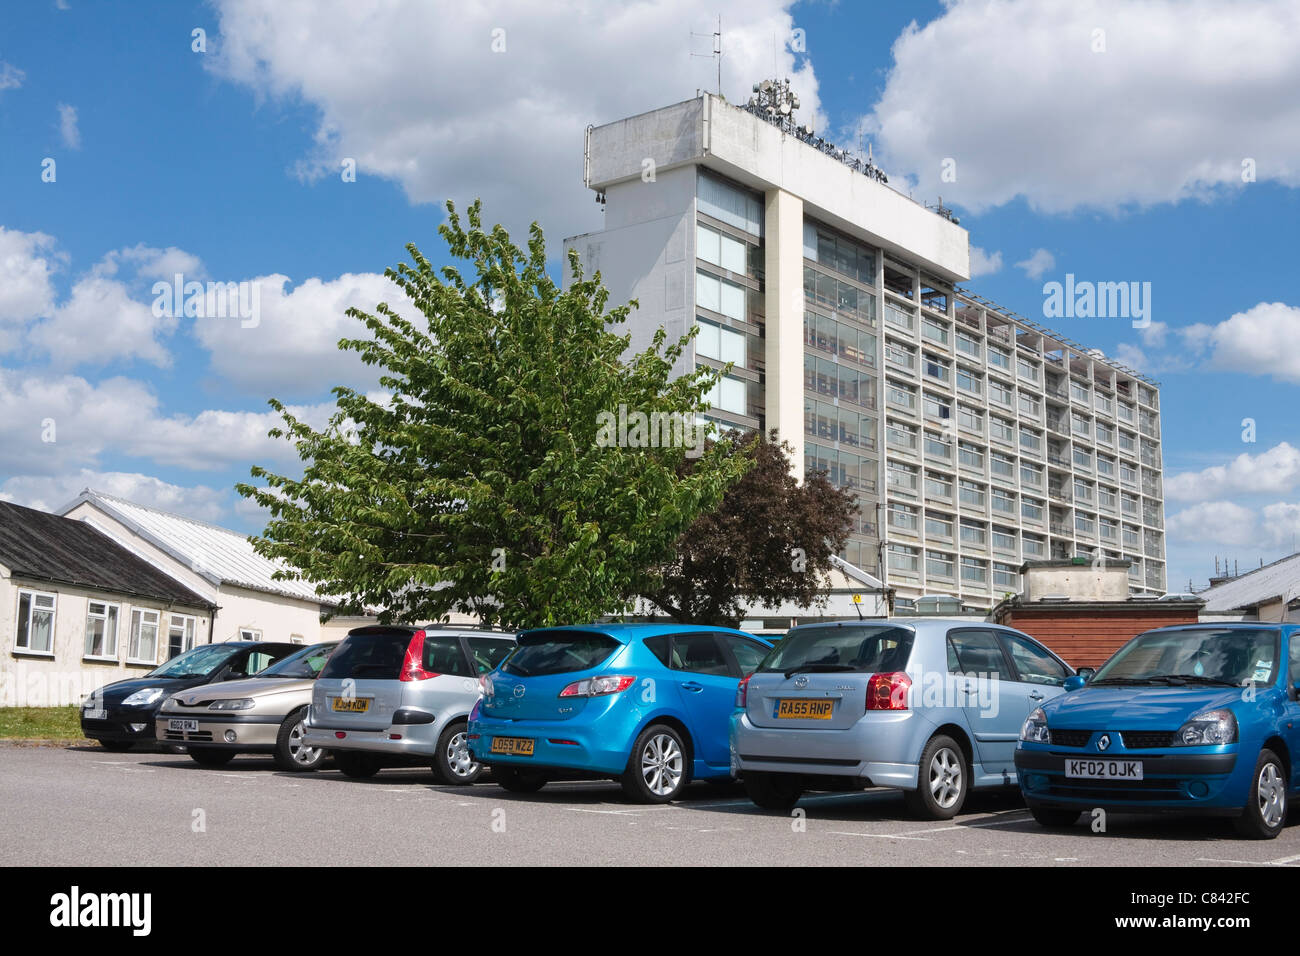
{"x":717,"y":50}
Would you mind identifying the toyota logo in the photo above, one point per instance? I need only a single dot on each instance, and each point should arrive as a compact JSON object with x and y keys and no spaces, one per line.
{"x":1103,"y":742}
{"x":801,"y":682}
{"x":519,"y":690}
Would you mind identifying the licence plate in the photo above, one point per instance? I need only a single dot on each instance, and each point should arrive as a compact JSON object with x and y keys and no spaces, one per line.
{"x":519,"y":746}
{"x":350,"y":705}
{"x":799,"y":708}
{"x":174,"y":724}
{"x":1104,"y":769}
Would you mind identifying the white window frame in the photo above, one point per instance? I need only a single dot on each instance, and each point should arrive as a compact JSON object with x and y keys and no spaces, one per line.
{"x":250,"y":633}
{"x":189,"y":642}
{"x":33,"y":595}
{"x":139,"y":618}
{"x":117,"y":630}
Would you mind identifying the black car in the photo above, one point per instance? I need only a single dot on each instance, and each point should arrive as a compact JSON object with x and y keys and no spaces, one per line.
{"x":122,"y":713}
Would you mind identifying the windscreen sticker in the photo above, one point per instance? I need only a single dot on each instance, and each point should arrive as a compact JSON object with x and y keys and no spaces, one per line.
{"x":1262,"y":670}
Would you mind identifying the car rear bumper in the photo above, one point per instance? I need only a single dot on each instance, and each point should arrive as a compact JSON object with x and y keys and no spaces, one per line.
{"x":1212,"y":783}
{"x":414,"y":740}
{"x":251,"y":731}
{"x":880,"y":750}
{"x":579,"y":745}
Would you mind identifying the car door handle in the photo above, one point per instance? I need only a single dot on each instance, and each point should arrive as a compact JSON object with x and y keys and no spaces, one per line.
{"x":1035,"y":696}
{"x":693,"y":687}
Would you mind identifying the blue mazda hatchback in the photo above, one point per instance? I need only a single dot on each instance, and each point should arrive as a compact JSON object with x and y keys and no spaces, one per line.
{"x":1201,"y":718}
{"x":645,"y":704}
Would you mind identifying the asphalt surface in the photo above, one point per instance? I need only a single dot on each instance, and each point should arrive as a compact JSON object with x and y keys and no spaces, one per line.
{"x":83,"y":806}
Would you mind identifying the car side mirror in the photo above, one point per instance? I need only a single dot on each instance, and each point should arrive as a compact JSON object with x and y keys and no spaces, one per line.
{"x":1075,"y":682}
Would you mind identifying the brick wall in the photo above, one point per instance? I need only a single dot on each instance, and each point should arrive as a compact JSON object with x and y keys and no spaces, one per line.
{"x":1085,"y":638}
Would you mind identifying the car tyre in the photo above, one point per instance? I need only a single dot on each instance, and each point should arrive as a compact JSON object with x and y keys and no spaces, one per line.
{"x":291,"y":753}
{"x":1265,"y":812}
{"x":116,"y":746}
{"x":777,"y":792}
{"x":358,"y":766}
{"x":1055,"y":818}
{"x":452,"y":764}
{"x":657,"y":770}
{"x":518,"y":781}
{"x":211,"y":756}
{"x":942,"y":781}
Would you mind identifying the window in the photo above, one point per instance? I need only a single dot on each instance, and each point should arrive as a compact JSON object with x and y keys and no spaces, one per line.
{"x":975,"y":653}
{"x":720,"y":344}
{"x":903,"y":517}
{"x":1032,"y":545}
{"x":1026,"y":369}
{"x":1127,"y":474}
{"x":1030,"y":439}
{"x":487,"y":652}
{"x":936,"y":367}
{"x":972,"y":494}
{"x":1033,"y":663}
{"x":250,"y":634}
{"x":1004,"y":501}
{"x":901,"y":317}
{"x":35,"y":633}
{"x":968,"y":344}
{"x":101,"y":630}
{"x":730,"y":204}
{"x":938,"y":486}
{"x":902,"y":558}
{"x":1083,"y":524}
{"x":1105,"y":466}
{"x":1004,"y":539}
{"x":1002,"y":466}
{"x":1031,"y":510}
{"x":969,"y":381}
{"x":180,"y":634}
{"x":936,"y":447}
{"x":972,"y":532}
{"x":1103,"y":404}
{"x":1005,"y":577}
{"x":938,"y":526}
{"x":970,"y":419}
{"x":728,"y":394}
{"x":902,"y":477}
{"x":720,"y":249}
{"x":999,"y":393}
{"x":1078,"y":392}
{"x":1127,"y":442}
{"x":1029,"y":404}
{"x":900,"y":396}
{"x":443,"y":655}
{"x":1082,"y":490}
{"x":1001,"y":430}
{"x":839,"y":338}
{"x":1031,"y":474}
{"x":900,"y":355}
{"x":1105,"y":434}
{"x":838,"y":253}
{"x":999,"y":358}
{"x":936,"y":331}
{"x":749,"y":654}
{"x":1082,"y":458}
{"x":938,"y":564}
{"x":142,"y":648}
{"x":1081,"y":424}
{"x":1106,"y":498}
{"x":974,"y":571}
{"x":900,"y":436}
{"x":698,"y":654}
{"x":972,"y":456}
{"x":937,"y":408}
{"x":719,"y":295}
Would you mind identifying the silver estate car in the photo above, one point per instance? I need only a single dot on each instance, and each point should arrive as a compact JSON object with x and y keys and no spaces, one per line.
{"x":394,"y":695}
{"x":933,"y":707}
{"x":262,"y":714}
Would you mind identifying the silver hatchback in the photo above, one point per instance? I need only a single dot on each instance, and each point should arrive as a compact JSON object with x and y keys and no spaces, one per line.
{"x":932,"y":707}
{"x":393,"y":695}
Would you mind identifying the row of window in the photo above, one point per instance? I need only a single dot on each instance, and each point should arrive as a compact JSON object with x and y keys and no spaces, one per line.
{"x":833,"y":423}
{"x":36,"y":620}
{"x":825,"y":334}
{"x":905,"y":559}
{"x":845,"y":469}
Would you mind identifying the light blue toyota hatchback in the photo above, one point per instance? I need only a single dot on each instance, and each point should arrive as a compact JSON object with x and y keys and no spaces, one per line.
{"x":644,"y":704}
{"x":932,"y":707}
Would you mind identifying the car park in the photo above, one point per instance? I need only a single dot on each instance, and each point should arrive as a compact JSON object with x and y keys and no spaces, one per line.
{"x":263,"y":714}
{"x":396,"y":694}
{"x":644,"y":704}
{"x":122,"y":713}
{"x":1199,"y":718}
{"x":932,"y":707}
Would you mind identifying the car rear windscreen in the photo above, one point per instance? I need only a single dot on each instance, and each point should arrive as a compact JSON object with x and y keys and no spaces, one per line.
{"x":850,"y":649}
{"x":559,"y":652}
{"x":376,"y":656}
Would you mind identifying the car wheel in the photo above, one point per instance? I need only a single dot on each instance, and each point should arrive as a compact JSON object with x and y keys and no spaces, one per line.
{"x":290,"y":752}
{"x":518,"y":781}
{"x":1265,"y":810}
{"x":452,"y":765}
{"x":116,"y":746}
{"x":211,"y":757}
{"x":358,"y":766}
{"x":1055,"y":818}
{"x":941,"y":781}
{"x":772,"y":791}
{"x":656,"y":772}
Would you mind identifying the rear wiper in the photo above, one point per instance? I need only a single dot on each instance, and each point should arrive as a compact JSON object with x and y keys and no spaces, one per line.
{"x":817,"y":668}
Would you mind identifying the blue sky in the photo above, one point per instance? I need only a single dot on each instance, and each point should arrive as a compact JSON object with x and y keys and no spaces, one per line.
{"x":1114,"y":156}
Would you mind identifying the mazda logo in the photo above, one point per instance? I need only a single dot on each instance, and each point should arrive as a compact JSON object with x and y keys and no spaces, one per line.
{"x":519,"y":690}
{"x":1103,"y":742}
{"x":801,"y":682}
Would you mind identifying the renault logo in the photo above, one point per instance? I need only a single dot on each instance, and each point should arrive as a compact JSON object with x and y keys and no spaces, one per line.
{"x":1103,"y":742}
{"x":519,"y":690}
{"x":801,"y":682}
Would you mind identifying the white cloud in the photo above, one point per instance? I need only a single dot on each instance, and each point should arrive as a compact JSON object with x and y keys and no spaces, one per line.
{"x":27,"y":261}
{"x":68,"y":126}
{"x":1132,"y":356}
{"x":510,"y":128}
{"x":1214,"y":522}
{"x":1040,"y":261}
{"x":48,"y":493}
{"x":984,"y":263}
{"x":1184,"y":93}
{"x":1260,"y":341}
{"x":1275,"y":471}
{"x":293,"y":349}
{"x":100,"y":323}
{"x":10,"y":76}
{"x":152,"y":263}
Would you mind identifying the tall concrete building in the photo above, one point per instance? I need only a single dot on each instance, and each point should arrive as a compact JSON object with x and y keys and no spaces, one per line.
{"x":973,"y":438}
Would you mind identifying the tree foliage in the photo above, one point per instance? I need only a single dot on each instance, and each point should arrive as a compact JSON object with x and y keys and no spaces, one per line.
{"x":478,"y":483}
{"x":770,"y":542}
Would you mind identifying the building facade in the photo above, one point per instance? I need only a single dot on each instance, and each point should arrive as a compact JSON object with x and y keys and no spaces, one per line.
{"x":974,"y":439}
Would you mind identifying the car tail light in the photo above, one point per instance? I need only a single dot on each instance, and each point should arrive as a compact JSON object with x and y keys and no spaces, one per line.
{"x":599,"y":686}
{"x":413,"y":663}
{"x":888,"y":691}
{"x":742,"y":692}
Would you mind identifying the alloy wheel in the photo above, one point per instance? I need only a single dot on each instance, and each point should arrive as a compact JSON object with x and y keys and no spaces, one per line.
{"x":661,"y":764}
{"x":945,"y":778}
{"x":458,"y":756}
{"x":1272,"y":795}
{"x":298,"y":750}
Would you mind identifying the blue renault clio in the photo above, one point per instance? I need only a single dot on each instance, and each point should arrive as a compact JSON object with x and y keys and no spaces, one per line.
{"x":645,"y":704}
{"x":1201,"y":718}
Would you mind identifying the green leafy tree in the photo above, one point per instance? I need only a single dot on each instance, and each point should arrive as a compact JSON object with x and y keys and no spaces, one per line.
{"x":769,"y":542}
{"x":491,"y":480}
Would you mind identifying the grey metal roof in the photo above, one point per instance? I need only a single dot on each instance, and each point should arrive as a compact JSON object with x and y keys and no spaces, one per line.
{"x":50,"y":548}
{"x":218,"y":554}
{"x":1277,"y":581}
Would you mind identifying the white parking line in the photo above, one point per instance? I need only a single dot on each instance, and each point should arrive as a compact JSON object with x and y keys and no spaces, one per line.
{"x":1285,"y":861}
{"x":971,"y":826}
{"x":879,"y":836}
